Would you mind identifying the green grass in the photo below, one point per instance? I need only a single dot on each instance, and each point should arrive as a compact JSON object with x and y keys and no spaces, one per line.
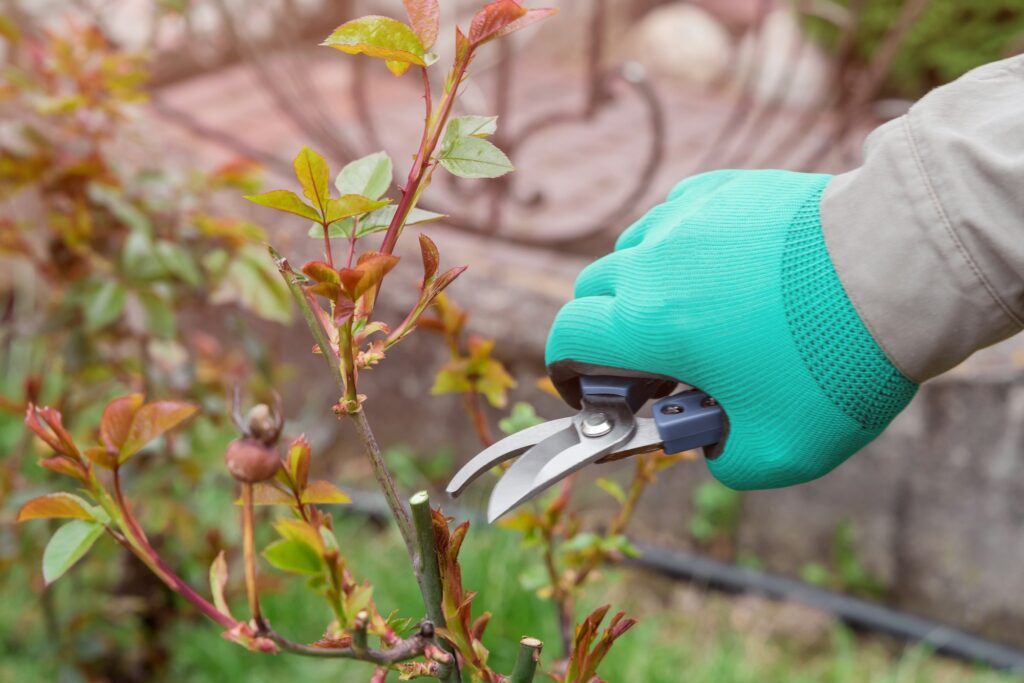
{"x":698,"y":638}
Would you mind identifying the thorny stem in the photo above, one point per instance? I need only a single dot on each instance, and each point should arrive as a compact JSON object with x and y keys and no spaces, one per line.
{"x":401,"y":651}
{"x":327,"y":247}
{"x":352,"y":239}
{"x":428,"y":573}
{"x":144,"y":551}
{"x":559,"y":596}
{"x":385,"y":481}
{"x":562,"y":594}
{"x":313,"y":321}
{"x":249,"y":550}
{"x":432,"y":131}
{"x":471,"y":399}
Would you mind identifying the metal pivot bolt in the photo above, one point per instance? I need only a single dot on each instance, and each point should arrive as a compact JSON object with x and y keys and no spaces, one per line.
{"x":596,"y":424}
{"x":671,"y":409}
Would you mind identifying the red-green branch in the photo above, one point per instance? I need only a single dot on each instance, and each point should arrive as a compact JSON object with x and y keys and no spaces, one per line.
{"x":139,"y":545}
{"x":432,"y":131}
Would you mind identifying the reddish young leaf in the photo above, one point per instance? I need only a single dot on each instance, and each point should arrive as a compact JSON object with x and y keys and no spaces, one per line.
{"x":528,"y":19}
{"x":493,"y":17}
{"x":54,"y":506}
{"x":117,"y":420}
{"x":425,"y":17}
{"x":99,"y":455}
{"x":343,"y":309}
{"x":64,"y":465}
{"x":321,"y":272}
{"x":152,"y":420}
{"x":431,"y":257}
{"x":370,"y":270}
{"x":47,"y":425}
{"x":480,"y":624}
{"x":446,"y":278}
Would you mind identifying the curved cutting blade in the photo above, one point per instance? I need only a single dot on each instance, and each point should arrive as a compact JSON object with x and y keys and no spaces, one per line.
{"x":509,"y":447}
{"x":524,"y":479}
{"x":645,"y":438}
{"x":516,"y":485}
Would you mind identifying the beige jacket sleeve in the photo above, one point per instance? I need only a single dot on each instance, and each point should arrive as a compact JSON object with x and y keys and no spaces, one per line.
{"x":928,"y":234}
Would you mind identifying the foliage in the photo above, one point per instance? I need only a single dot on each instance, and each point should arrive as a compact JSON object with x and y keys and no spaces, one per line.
{"x":337,"y":298}
{"x":104,"y":255}
{"x":716,"y":513}
{"x":950,"y":38}
{"x":846,"y":571}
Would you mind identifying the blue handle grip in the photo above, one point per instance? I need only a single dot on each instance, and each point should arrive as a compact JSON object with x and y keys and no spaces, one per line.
{"x":689,"y":419}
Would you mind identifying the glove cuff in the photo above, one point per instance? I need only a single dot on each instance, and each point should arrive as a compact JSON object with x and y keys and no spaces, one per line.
{"x":836,"y":347}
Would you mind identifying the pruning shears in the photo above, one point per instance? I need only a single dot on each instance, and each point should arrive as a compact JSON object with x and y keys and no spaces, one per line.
{"x":606,"y":428}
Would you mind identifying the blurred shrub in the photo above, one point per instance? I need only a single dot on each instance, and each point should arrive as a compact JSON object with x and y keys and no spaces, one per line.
{"x":950,"y":38}
{"x":104,"y":254}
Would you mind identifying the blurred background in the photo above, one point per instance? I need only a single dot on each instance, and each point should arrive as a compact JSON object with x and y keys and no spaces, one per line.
{"x":184,"y":105}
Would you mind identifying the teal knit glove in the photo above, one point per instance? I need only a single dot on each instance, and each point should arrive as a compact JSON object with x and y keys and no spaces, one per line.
{"x":728,"y":287}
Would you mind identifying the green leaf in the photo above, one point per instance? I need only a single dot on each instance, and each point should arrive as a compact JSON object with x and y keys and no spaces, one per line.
{"x":152,"y":420}
{"x":67,"y":546}
{"x":470,"y":157}
{"x":160,"y":320}
{"x":178,"y":261}
{"x":581,"y":542}
{"x":104,"y":306}
{"x":815,"y":574}
{"x":522,"y":417}
{"x":470,"y":126}
{"x":612,"y":488}
{"x":139,"y":258}
{"x":285,"y":200}
{"x":358,"y":600}
{"x":252,"y":281}
{"x":352,"y":205}
{"x":313,"y":175}
{"x":379,"y":37}
{"x":375,"y":221}
{"x":114,"y":201}
{"x":293,"y":556}
{"x":369,"y":176}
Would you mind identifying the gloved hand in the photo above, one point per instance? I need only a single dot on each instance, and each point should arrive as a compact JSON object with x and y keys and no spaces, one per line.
{"x":728,"y":287}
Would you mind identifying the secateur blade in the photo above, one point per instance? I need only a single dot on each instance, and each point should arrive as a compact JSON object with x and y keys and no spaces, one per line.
{"x":604,"y":424}
{"x":507,"y":448}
